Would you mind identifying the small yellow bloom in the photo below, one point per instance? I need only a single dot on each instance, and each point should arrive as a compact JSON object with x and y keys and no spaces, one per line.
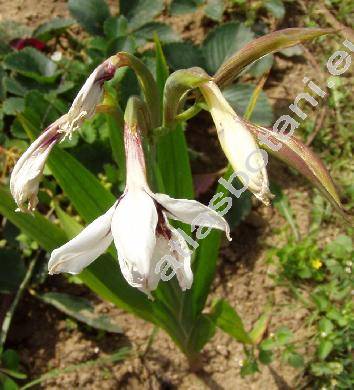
{"x":316,"y":264}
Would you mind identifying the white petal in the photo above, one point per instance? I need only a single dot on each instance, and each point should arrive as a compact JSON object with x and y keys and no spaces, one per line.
{"x":27,"y":173}
{"x":135,"y":160}
{"x":192,"y":212}
{"x":82,"y":250}
{"x":238,"y":143}
{"x":171,"y":257}
{"x":182,"y":254}
{"x":89,"y":96}
{"x":133,"y":228}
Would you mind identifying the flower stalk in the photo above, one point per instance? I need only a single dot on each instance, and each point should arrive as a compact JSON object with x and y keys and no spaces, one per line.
{"x":147,"y":84}
{"x":176,"y":87}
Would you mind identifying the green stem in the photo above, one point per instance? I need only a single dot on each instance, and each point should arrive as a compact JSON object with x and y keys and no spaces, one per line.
{"x":147,"y":83}
{"x":151,"y":339}
{"x":189,"y":113}
{"x":177,"y":85}
{"x":8,"y":317}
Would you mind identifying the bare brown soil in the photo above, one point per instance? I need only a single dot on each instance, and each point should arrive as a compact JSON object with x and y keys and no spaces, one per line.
{"x":46,"y":340}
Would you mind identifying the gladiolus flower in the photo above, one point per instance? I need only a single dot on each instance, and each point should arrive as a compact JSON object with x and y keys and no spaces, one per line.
{"x":237,"y":143}
{"x":27,"y":172}
{"x":138,"y":224}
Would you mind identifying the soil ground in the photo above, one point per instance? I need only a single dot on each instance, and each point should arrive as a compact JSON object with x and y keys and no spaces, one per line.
{"x":46,"y":339}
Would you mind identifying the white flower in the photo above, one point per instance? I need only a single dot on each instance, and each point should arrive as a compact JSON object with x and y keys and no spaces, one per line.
{"x":27,"y":172}
{"x":238,"y":143}
{"x":138,"y":224}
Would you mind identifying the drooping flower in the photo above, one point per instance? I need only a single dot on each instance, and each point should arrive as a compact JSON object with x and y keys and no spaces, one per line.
{"x":237,"y":143}
{"x":27,"y":172}
{"x":89,"y":96}
{"x":138,"y":223}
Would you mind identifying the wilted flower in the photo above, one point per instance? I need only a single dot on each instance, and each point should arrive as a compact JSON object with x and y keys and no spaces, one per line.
{"x":89,"y":96}
{"x":138,"y":224}
{"x":27,"y":172}
{"x":238,"y":143}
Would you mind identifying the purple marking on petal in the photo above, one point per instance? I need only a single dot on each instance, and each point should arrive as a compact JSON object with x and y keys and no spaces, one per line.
{"x":162,"y":229}
{"x":53,"y":139}
{"x":105,"y":73}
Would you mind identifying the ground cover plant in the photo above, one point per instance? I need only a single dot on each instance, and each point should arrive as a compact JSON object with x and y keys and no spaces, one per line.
{"x":108,"y":117}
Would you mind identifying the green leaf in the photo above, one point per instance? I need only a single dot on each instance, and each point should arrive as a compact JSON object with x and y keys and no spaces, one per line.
{"x":115,"y":26}
{"x":341,"y":247}
{"x":223,"y":41}
{"x":183,"y":55}
{"x":90,"y":14}
{"x":203,"y":331}
{"x":281,"y":202}
{"x":259,"y":328}
{"x":70,"y":226}
{"x":3,"y":88}
{"x":10,"y":359}
{"x":12,"y":270}
{"x":268,"y":344}
{"x":13,"y":105}
{"x":87,"y":194}
{"x":249,"y":366}
{"x":265,"y":357}
{"x":14,"y":374}
{"x":324,"y":349}
{"x":172,"y":152}
{"x":52,"y":28}
{"x":226,"y":318}
{"x":162,"y":71}
{"x":240,"y":94}
{"x":165,"y":33}
{"x":140,"y":12}
{"x":36,"y":226}
{"x":204,"y":264}
{"x":241,"y":206}
{"x":325,"y":326}
{"x":80,"y":309}
{"x":32,"y":63}
{"x":214,"y":9}
{"x":13,"y":86}
{"x":283,"y":335}
{"x":259,"y":67}
{"x":127,"y":44}
{"x":179,"y":7}
{"x":7,"y":383}
{"x":292,"y":51}
{"x":115,"y":128}
{"x":4,"y":48}
{"x":276,"y":7}
{"x":295,"y":360}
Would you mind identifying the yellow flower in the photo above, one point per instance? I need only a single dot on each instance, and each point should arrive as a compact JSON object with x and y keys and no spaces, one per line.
{"x":316,"y":264}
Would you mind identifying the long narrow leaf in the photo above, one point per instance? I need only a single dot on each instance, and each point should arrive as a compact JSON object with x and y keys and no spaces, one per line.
{"x":39,"y":228}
